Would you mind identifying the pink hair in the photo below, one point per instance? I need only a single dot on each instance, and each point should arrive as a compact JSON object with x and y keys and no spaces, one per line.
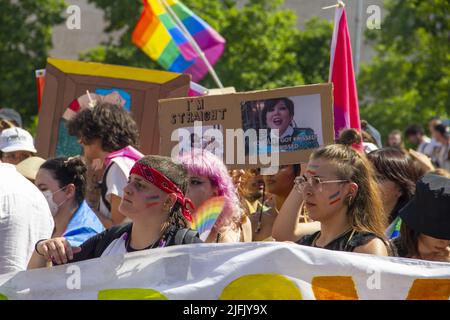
{"x":204,"y":163}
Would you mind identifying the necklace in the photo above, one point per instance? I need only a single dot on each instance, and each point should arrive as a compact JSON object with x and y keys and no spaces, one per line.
{"x":160,"y":242}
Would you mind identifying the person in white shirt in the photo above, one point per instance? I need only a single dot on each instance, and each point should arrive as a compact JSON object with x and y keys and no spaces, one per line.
{"x":416,"y":135}
{"x":25,"y":218}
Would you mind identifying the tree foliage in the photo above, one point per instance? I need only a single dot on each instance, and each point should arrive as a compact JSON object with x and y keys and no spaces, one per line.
{"x":409,"y":79}
{"x":264,"y":47}
{"x":25,"y":39}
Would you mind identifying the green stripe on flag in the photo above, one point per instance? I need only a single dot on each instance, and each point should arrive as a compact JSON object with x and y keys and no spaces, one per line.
{"x":167,"y":21}
{"x":168,"y":56}
{"x":182,"y":11}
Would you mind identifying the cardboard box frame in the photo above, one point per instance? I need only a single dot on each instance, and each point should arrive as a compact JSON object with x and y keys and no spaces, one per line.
{"x":67,"y":80}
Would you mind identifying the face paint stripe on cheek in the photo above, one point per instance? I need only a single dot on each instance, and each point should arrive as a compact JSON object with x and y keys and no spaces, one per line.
{"x":152,"y":198}
{"x":334,"y":195}
{"x":311,"y":172}
{"x":335,"y":201}
{"x":151,"y":204}
{"x":152,"y":201}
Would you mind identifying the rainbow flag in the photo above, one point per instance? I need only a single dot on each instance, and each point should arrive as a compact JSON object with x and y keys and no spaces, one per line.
{"x":205,"y":217}
{"x":157,"y":34}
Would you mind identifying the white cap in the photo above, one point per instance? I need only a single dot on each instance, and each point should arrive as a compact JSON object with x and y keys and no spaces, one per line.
{"x":16,"y":139}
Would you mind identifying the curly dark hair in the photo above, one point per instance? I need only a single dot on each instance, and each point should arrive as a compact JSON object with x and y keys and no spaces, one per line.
{"x":110,"y":123}
{"x":66,"y":171}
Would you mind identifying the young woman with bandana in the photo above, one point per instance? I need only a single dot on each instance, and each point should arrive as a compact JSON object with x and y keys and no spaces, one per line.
{"x":155,"y":203}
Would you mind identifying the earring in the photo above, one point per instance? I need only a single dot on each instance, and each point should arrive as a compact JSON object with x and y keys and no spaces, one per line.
{"x":349,"y":199}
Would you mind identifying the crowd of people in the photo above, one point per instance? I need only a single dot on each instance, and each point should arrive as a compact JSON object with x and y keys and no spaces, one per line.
{"x":355,"y":195}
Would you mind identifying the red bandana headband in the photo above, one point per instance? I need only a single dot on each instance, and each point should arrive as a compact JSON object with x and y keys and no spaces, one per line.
{"x":162,"y":182}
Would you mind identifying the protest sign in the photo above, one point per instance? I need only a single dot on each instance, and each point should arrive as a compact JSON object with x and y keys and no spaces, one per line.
{"x":250,"y":129}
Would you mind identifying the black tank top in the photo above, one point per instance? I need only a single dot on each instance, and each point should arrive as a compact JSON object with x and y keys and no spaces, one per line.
{"x":346,"y":242}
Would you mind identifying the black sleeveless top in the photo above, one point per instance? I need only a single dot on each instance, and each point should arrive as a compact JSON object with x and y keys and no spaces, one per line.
{"x":345,"y":242}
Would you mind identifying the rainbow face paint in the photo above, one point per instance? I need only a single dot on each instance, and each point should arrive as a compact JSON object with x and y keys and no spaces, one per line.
{"x":335,"y":201}
{"x":151,"y":201}
{"x":152,"y":198}
{"x":312,"y":169}
{"x":333,"y":196}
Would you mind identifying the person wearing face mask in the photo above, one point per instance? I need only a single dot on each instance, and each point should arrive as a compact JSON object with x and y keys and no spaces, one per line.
{"x":63,"y":182}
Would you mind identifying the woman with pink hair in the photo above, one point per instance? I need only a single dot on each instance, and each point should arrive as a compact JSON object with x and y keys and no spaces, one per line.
{"x":208,"y":177}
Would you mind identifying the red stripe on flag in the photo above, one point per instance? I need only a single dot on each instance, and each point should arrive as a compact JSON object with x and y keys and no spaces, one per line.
{"x":145,"y":26}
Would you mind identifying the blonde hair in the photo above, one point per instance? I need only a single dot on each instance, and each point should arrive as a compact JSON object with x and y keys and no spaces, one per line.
{"x":365,"y":211}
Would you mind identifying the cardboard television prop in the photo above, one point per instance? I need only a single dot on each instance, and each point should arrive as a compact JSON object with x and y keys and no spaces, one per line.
{"x":238,"y":127}
{"x":138,"y":90}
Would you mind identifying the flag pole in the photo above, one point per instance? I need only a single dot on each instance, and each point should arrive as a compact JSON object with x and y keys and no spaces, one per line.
{"x":193,"y":43}
{"x":339,"y":4}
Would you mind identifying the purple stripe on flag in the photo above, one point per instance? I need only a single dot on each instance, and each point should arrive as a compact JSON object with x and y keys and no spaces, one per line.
{"x":207,"y":38}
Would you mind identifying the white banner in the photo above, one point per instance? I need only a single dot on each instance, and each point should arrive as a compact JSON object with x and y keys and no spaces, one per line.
{"x":264,"y":270}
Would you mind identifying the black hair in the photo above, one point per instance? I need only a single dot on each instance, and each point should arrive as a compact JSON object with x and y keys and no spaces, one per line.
{"x":442,"y":129}
{"x":110,"y":123}
{"x":413,"y":130}
{"x":177,"y":174}
{"x":271,"y":103}
{"x":66,"y":171}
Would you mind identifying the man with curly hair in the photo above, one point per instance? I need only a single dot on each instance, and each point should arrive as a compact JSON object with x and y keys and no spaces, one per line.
{"x":109,"y":133}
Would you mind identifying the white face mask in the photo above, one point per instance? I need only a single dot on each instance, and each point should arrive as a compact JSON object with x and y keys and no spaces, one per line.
{"x":52,"y":205}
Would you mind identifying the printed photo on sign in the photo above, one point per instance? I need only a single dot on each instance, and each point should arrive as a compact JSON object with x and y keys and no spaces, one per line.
{"x":295,"y":120}
{"x":200,"y":137}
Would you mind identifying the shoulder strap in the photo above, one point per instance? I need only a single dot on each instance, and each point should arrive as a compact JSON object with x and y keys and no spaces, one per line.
{"x":185,"y":236}
{"x":104,"y":189}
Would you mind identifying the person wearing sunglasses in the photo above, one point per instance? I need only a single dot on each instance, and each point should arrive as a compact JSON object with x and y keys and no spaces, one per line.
{"x":338,"y":189}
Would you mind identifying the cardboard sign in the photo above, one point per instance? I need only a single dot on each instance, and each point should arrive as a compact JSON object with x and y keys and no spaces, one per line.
{"x":65,"y":93}
{"x":252,"y":129}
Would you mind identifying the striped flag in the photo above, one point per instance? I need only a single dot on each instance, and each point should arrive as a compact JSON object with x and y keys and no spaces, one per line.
{"x":157,"y":34}
{"x":345,"y":96}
